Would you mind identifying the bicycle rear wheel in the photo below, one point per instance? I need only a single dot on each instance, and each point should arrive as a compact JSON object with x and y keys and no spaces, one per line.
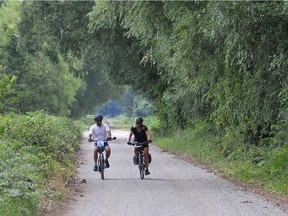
{"x":141,"y":166}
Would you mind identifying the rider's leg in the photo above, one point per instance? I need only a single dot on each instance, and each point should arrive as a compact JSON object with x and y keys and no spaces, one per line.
{"x":135,"y":151}
{"x":108,"y":152}
{"x":95,"y":155}
{"x":146,"y":157}
{"x":135,"y":157}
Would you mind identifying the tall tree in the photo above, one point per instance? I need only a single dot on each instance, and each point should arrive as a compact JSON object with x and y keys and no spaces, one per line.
{"x":68,"y":34}
{"x":41,"y":83}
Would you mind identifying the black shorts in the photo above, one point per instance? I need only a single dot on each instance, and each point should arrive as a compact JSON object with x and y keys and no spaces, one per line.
{"x":145,"y":145}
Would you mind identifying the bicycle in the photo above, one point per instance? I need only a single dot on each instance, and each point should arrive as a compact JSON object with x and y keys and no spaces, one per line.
{"x":140,"y":150}
{"x":101,"y":161}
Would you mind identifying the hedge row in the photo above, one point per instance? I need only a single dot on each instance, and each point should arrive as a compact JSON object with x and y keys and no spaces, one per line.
{"x":36,"y":152}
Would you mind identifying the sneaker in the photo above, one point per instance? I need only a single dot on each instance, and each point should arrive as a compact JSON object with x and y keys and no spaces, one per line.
{"x":95,"y":168}
{"x":135,"y":160}
{"x":107,"y":164}
{"x":147,"y":172}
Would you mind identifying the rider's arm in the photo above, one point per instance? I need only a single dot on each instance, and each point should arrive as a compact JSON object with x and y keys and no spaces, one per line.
{"x":90,"y":134}
{"x":109,"y":133}
{"x":90,"y":138}
{"x":148,"y":135}
{"x":129,"y":136}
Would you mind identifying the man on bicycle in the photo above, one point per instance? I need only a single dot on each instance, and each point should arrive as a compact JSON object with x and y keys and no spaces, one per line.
{"x":100,"y":131}
{"x":141,"y":134}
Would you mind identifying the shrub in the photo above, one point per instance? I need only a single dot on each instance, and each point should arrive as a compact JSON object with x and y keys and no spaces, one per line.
{"x":35,"y":149}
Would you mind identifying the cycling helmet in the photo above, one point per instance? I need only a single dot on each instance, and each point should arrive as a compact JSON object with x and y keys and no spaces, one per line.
{"x":139,"y":120}
{"x":98,"y":117}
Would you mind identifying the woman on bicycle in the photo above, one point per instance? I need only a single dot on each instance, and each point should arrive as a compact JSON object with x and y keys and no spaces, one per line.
{"x":141,"y":134}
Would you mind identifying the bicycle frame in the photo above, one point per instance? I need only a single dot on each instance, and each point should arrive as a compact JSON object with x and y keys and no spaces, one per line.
{"x":140,"y":150}
{"x":101,"y":161}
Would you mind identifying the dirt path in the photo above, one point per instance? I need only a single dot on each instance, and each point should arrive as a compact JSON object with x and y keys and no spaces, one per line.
{"x":175,"y":187}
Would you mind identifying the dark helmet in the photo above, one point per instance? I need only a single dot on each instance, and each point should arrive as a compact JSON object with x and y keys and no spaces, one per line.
{"x":139,"y":119}
{"x":98,"y":117}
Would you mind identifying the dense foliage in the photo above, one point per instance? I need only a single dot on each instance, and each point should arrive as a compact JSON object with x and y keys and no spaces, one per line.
{"x":36,"y":160}
{"x":46,"y":56}
{"x":222,"y":62}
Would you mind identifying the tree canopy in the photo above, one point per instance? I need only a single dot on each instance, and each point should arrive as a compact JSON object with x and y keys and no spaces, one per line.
{"x":219,"y":62}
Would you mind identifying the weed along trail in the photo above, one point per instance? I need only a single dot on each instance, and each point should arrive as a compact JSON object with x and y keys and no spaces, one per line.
{"x":175,"y":187}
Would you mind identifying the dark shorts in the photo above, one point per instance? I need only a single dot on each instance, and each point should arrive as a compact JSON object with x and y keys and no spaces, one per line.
{"x":145,"y":145}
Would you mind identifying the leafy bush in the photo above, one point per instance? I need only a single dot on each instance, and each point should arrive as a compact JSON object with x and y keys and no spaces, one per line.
{"x":277,"y":164}
{"x":35,"y":150}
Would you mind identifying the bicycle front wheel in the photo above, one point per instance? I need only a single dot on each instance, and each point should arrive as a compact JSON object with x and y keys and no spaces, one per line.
{"x":101,"y":166}
{"x":141,"y":166}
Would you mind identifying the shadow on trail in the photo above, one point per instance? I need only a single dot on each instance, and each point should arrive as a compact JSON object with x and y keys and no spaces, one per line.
{"x":145,"y":179}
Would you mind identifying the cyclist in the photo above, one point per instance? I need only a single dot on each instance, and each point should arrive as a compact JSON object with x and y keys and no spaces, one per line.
{"x":100,"y":131}
{"x":141,"y":134}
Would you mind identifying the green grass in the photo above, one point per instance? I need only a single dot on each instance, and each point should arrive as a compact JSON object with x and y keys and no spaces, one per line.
{"x":193,"y":142}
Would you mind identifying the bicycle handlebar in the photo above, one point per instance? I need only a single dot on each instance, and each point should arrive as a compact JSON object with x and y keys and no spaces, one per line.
{"x":114,"y":138}
{"x":137,"y":143}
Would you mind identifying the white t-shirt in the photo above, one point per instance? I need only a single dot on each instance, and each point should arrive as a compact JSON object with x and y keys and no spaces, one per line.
{"x":99,"y":133}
